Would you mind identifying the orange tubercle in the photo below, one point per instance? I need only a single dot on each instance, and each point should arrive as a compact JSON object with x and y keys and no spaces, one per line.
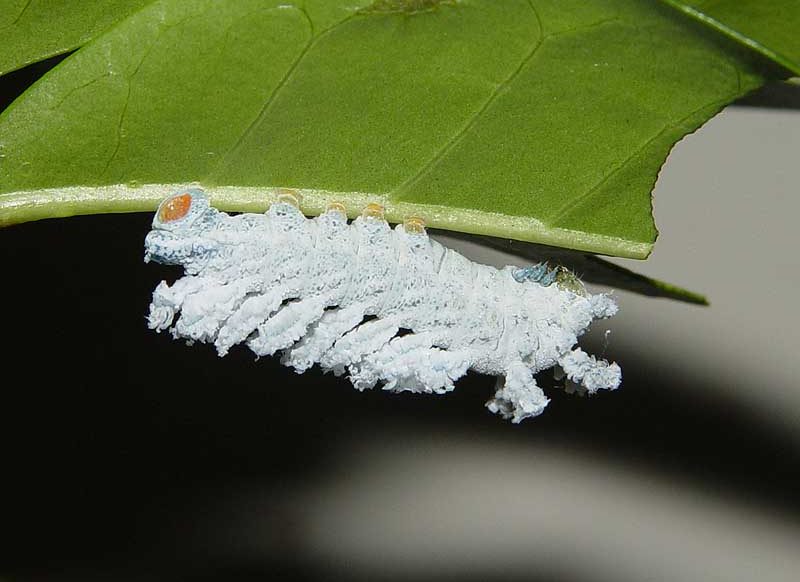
{"x":373,"y":211}
{"x":414,"y":225}
{"x":175,"y":208}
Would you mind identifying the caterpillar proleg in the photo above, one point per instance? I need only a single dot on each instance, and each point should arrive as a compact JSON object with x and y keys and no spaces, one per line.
{"x":386,"y":306}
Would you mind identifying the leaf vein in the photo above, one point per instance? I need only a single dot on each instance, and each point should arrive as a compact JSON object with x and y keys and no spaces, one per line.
{"x":262,"y":114}
{"x":129,"y":80}
{"x":580,"y":199}
{"x":20,"y":15}
{"x":118,"y":141}
{"x":445,"y":149}
{"x":453,"y":141}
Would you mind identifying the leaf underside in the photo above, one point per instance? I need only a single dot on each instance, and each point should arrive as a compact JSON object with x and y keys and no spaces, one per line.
{"x":542,"y":121}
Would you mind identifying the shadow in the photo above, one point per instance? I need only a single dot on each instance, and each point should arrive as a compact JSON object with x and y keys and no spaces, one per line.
{"x":773,"y":95}
{"x":14,"y":84}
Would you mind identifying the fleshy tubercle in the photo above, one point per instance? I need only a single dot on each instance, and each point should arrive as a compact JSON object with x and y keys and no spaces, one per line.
{"x":414,"y":225}
{"x":287,"y":196}
{"x":373,"y":211}
{"x":337,"y":207}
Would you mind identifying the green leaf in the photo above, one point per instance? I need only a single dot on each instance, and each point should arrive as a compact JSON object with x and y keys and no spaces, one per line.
{"x":543,"y":121}
{"x":772,"y":27}
{"x":31,"y":31}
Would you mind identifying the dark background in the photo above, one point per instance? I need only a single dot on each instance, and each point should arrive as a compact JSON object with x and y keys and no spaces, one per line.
{"x":115,"y":438}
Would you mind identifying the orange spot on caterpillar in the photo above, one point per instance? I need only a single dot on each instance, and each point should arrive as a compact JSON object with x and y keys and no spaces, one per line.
{"x":175,"y":208}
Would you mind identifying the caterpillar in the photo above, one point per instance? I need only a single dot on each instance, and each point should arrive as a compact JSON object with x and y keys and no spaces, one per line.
{"x":383,"y":305}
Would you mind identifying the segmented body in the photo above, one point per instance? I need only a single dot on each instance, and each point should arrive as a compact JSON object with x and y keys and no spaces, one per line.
{"x":386,"y":306}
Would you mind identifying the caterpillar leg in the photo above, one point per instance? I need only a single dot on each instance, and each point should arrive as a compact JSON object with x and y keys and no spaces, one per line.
{"x":286,"y":326}
{"x":203,"y":313}
{"x":366,"y":338}
{"x":321,"y":336}
{"x":518,"y":396}
{"x":588,"y":371}
{"x":168,"y":300}
{"x":410,"y":363}
{"x":250,"y":314}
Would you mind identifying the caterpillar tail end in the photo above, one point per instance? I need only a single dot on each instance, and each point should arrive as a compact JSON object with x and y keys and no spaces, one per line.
{"x":589,"y":372}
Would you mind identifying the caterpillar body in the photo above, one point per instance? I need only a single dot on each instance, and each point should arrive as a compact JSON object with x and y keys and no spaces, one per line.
{"x":384,"y":306}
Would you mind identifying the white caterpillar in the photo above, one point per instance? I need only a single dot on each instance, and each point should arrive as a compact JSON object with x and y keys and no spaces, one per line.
{"x":388,"y":306}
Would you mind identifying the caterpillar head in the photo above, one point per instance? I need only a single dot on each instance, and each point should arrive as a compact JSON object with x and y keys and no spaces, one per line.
{"x":180,"y":230}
